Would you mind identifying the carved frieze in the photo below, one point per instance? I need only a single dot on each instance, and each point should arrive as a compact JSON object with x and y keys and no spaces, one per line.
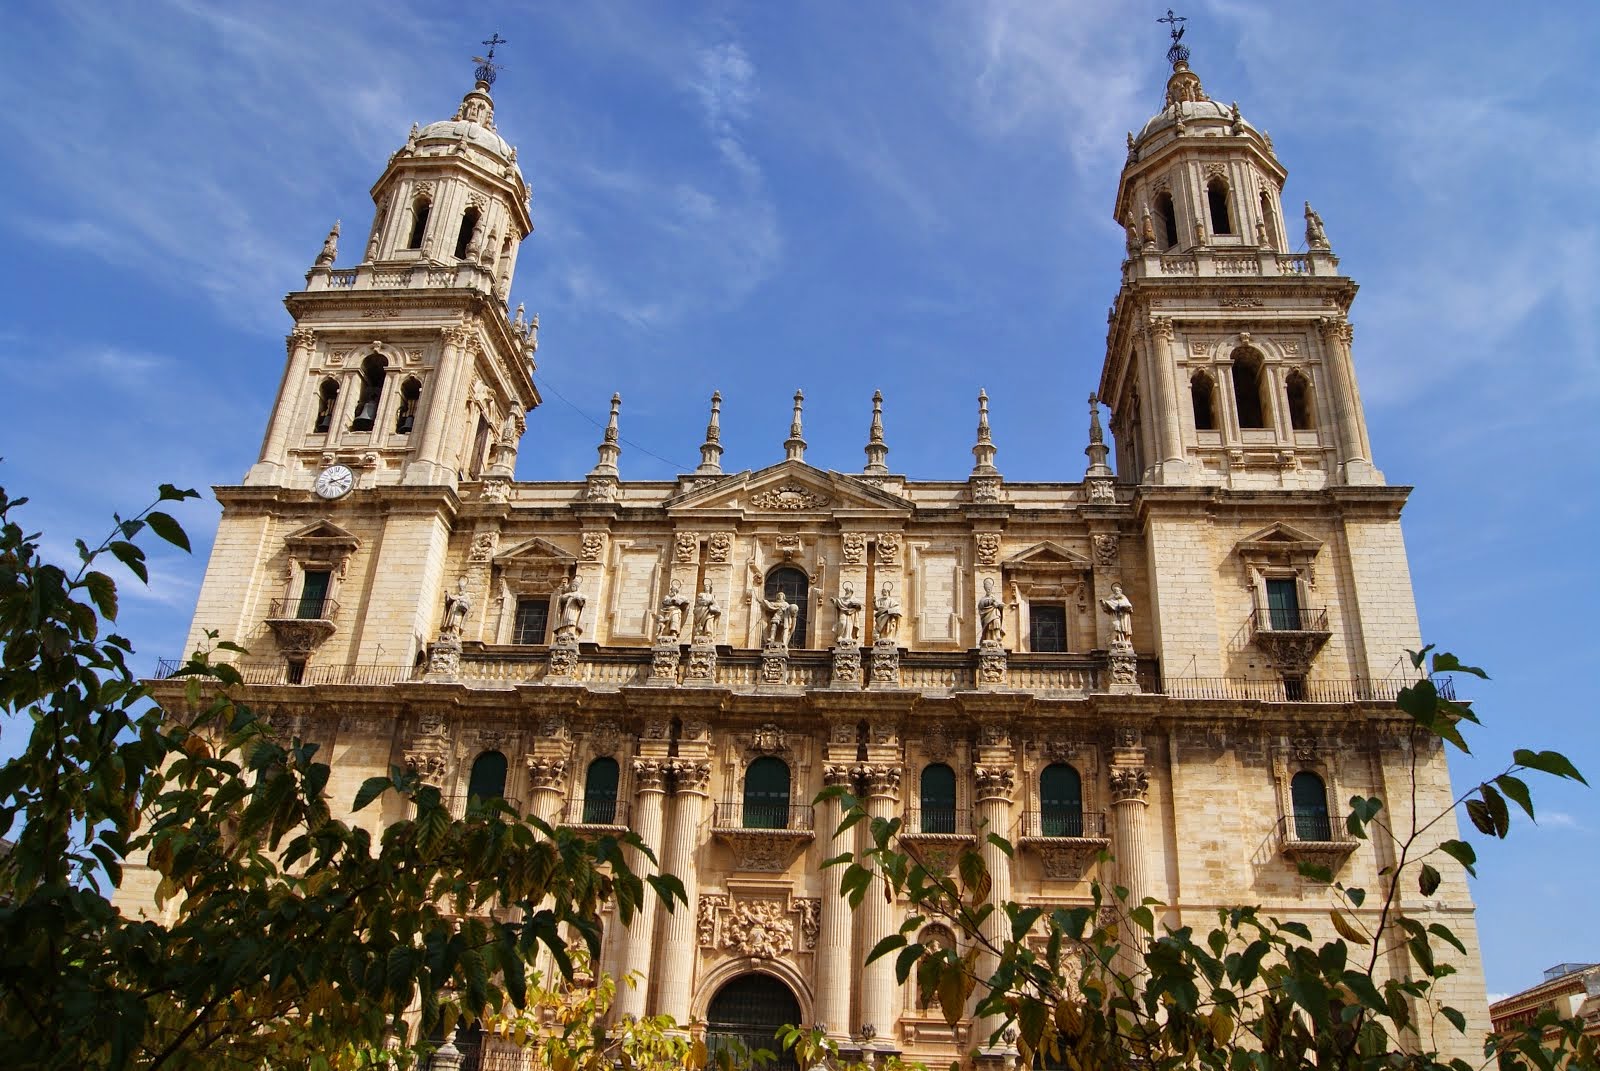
{"x":787,"y":497}
{"x":760,"y":929}
{"x":854,"y":548}
{"x":706,"y":917}
{"x":718,"y":547}
{"x":1105,"y":549}
{"x":988,"y":547}
{"x":888,"y":548}
{"x":686,"y":548}
{"x":594,"y":545}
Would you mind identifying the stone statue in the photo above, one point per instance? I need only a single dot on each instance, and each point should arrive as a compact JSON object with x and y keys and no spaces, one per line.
{"x":1121,"y":610}
{"x":886,"y":613}
{"x":781,"y":617}
{"x":1316,"y":237}
{"x":991,"y":614}
{"x":457,"y":605}
{"x":569,"y":608}
{"x":848,"y":629}
{"x":1134,"y":245}
{"x":669,"y":619}
{"x":707,"y":615}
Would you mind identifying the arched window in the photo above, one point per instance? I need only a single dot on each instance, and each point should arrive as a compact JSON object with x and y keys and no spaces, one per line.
{"x":410,"y":395}
{"x":766,"y":794}
{"x":795,"y":587}
{"x":747,"y":1014}
{"x":1310,"y":799}
{"x":1166,"y":222}
{"x":938,"y":799}
{"x":327,"y":398}
{"x":505,"y":251}
{"x":1203,"y":392}
{"x":419,"y":222}
{"x":372,"y":371}
{"x":1248,"y":400}
{"x":1298,"y":389}
{"x":600,"y":792}
{"x":1268,"y":220}
{"x":1217,"y":201}
{"x":1060,"y":801}
{"x":488,"y":780}
{"x":469,"y":227}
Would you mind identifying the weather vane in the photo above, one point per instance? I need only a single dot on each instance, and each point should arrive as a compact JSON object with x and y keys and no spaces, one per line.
{"x":1178,"y":53}
{"x":487,"y":68}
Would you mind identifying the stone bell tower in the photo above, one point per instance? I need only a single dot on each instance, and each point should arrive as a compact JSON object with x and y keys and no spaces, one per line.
{"x":407,"y":368}
{"x":1228,"y":355}
{"x":403,"y":396}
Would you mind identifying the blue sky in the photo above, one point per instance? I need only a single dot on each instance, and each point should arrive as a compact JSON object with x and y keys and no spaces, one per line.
{"x":844,"y":197}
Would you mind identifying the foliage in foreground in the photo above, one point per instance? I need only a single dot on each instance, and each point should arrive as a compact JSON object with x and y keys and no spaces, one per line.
{"x":1107,"y":986}
{"x":290,"y":939}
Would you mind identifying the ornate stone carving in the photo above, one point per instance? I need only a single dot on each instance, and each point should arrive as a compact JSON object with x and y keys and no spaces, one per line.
{"x":836,"y":774}
{"x":300,"y":637}
{"x":1058,"y":750}
{"x":988,"y":547}
{"x":483,"y":545}
{"x":991,"y":615}
{"x":986,"y":489}
{"x":563,"y":658}
{"x":457,"y":605}
{"x":707,"y":616}
{"x":774,"y":664}
{"x":690,"y":776}
{"x":888,"y":548}
{"x":1101,"y":491}
{"x":760,"y":929}
{"x":886,"y":616}
{"x":702,"y":664}
{"x":1129,"y":783}
{"x":847,"y":630}
{"x":718,"y":546}
{"x":886,"y":660}
{"x":846,"y":665}
{"x":664,"y":660}
{"x":1303,"y":748}
{"x":1241,"y":303}
{"x":649,"y":775}
{"x":781,"y":617}
{"x":994,"y":782}
{"x":569,"y":612}
{"x":992,"y":664}
{"x":1120,"y":607}
{"x":670,"y":617}
{"x":686,"y":548}
{"x":496,"y":489}
{"x":428,"y":765}
{"x":605,"y":738}
{"x":1105,"y":549}
{"x":706,"y":917}
{"x":601,"y":489}
{"x":594,"y":545}
{"x":810,"y":910}
{"x":854,"y":548}
{"x":936,"y":742}
{"x":788,"y":546}
{"x":1124,"y":668}
{"x":547,"y":773}
{"x":768,"y":851}
{"x":768,"y":740}
{"x":787,"y":497}
{"x":444,"y":657}
{"x":994,"y":734}
{"x":879,"y":779}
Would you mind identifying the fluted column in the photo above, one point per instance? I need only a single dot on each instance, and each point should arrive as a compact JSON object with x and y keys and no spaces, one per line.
{"x":639,"y":938}
{"x":881,"y":783}
{"x":994,"y":786}
{"x":836,"y":933}
{"x":680,"y":943}
{"x":445,"y":374}
{"x":1352,"y":439}
{"x":1130,"y":785}
{"x":1169,"y":440}
{"x":274,"y":445}
{"x":547,"y":778}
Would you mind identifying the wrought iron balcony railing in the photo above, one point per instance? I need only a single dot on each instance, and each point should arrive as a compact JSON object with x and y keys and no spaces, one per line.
{"x":1064,"y":822}
{"x":740,"y":814}
{"x":458,"y":805}
{"x":937,"y":820}
{"x":303,"y":609}
{"x":1275,"y":690}
{"x":600,"y":811}
{"x":1288,"y":619}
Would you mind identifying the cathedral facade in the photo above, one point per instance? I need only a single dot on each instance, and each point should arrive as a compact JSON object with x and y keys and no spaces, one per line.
{"x":1167,"y":673}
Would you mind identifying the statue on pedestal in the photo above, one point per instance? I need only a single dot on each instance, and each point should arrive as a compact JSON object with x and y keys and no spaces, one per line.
{"x":1120,"y":607}
{"x":707,"y":615}
{"x":569,"y":608}
{"x":781,"y":617}
{"x":886,"y":614}
{"x":669,"y":619}
{"x":457,"y":605}
{"x":991,"y":614}
{"x":848,"y":629}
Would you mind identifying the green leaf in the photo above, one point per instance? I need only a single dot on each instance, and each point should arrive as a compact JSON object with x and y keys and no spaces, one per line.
{"x":1498,"y":813}
{"x":1428,"y":880}
{"x":1346,"y":928}
{"x":1517,"y":789}
{"x":1000,"y":842}
{"x":1550,"y":762}
{"x":1461,"y":852}
{"x":1455,"y":1017}
{"x":885,"y":946}
{"x":1478,"y":811}
{"x":1441,"y":931}
{"x":1315,"y":871}
{"x":906,"y":960}
{"x":165,"y":526}
{"x":1445,"y":662}
{"x":132,"y":557}
{"x":371,"y":789}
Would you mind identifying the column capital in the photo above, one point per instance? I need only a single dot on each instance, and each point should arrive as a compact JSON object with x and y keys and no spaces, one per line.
{"x":690,"y":778}
{"x":649,"y":775}
{"x":1130,"y":784}
{"x":1161,"y":327}
{"x":300,"y":338}
{"x":547,"y":774}
{"x":994,"y":783}
{"x":838,"y":775}
{"x":880,"y":780}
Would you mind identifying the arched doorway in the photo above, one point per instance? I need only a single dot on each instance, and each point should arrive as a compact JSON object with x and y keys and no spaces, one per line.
{"x":750,"y":1009}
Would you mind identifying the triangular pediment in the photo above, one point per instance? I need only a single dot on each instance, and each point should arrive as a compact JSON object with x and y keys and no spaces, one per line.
{"x":535,"y":550}
{"x":789,"y":488}
{"x":1047,"y":555}
{"x":1281,"y":538}
{"x":321,"y":534}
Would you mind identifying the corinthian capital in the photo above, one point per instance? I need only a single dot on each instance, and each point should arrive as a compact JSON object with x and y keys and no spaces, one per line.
{"x":649,"y":775}
{"x":994,"y":782}
{"x":1129,"y":783}
{"x":880,"y":780}
{"x":691,"y":776}
{"x":300,"y":337}
{"x":1161,"y":327}
{"x":1336,"y":329}
{"x":459,"y":335}
{"x":547,"y":773}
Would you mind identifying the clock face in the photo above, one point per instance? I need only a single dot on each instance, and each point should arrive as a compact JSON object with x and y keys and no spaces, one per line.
{"x":335,"y":481}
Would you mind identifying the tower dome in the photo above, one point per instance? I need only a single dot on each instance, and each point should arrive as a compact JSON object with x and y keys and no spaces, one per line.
{"x":472,"y":126}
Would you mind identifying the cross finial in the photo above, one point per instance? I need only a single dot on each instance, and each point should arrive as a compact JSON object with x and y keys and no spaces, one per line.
{"x":487,"y":68}
{"x":1177,"y":53}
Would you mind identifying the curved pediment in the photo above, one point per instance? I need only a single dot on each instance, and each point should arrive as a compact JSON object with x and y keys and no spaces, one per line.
{"x":789,"y":488}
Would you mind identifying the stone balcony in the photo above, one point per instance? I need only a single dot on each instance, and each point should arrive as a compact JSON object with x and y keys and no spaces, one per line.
{"x":1230,"y":263}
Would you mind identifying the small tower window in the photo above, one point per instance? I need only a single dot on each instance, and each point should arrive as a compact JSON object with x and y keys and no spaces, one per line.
{"x":1217,"y":200}
{"x":419,"y":222}
{"x":406,"y":418}
{"x":600,"y":792}
{"x":1060,"y":801}
{"x":938,"y":799}
{"x":1298,"y":389}
{"x":766,"y":794}
{"x":795,"y":587}
{"x":480,"y":447}
{"x":533,"y":617}
{"x":469,"y":227}
{"x":1247,"y":381}
{"x":488,"y":780}
{"x":372,"y":370}
{"x":1203,"y":394}
{"x":1268,"y":220}
{"x":1310,"y":799}
{"x":1166,"y":221}
{"x":327,"y":398}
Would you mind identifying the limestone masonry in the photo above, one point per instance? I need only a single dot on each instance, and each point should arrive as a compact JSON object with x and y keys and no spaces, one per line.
{"x":1187,"y":658}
